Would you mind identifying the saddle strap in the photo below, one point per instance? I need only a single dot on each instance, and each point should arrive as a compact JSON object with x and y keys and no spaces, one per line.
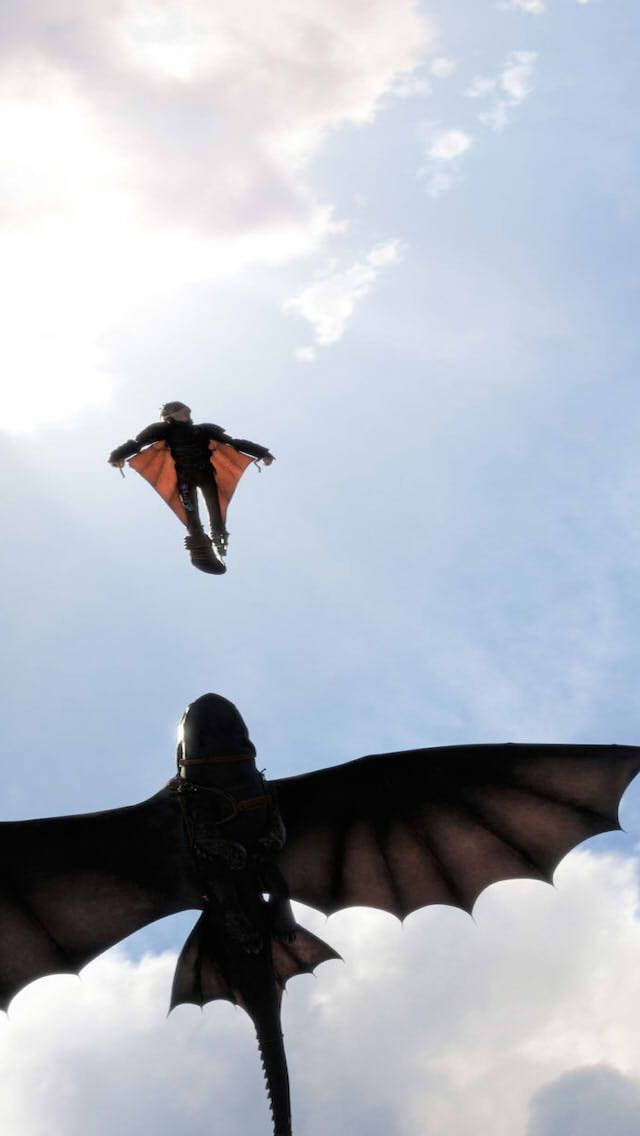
{"x":251,"y":803}
{"x":188,"y":788}
{"x":214,"y":760}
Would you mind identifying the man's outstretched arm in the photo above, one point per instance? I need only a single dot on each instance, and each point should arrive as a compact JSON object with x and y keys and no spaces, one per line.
{"x":154,"y":433}
{"x":261,"y":453}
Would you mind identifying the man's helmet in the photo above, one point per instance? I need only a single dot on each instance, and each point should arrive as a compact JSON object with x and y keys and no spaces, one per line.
{"x":170,"y":408}
{"x":210,"y":727}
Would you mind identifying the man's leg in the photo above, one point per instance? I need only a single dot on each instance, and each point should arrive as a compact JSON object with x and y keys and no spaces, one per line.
{"x":189,"y":497}
{"x":218,"y":532}
{"x":197,"y":543}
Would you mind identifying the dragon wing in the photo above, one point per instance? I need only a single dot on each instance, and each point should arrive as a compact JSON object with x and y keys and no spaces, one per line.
{"x":70,"y":887}
{"x":399,"y":831}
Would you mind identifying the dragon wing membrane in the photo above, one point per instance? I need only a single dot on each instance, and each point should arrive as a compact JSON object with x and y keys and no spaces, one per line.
{"x":400,"y":831}
{"x":393,"y":831}
{"x":70,"y":887}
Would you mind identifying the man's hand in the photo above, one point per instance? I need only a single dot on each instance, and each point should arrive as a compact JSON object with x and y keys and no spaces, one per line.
{"x":117,"y":464}
{"x":268,"y":459}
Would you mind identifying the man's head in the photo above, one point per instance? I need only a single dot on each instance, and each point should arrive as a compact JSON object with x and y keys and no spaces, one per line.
{"x":175,"y":412}
{"x":211,"y":726}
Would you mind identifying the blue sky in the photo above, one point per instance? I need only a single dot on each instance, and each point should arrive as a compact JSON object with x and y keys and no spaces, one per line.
{"x":396,"y":243}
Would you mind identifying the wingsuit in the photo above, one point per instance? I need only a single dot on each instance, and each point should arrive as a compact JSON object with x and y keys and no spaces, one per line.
{"x":180,"y":457}
{"x":396,"y":831}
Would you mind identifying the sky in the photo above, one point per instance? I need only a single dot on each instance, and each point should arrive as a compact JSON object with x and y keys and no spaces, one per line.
{"x":397,"y":243}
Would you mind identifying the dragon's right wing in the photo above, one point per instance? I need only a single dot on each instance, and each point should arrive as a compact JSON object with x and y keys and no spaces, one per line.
{"x":400,"y":831}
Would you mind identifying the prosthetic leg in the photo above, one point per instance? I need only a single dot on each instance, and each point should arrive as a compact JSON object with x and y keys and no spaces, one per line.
{"x":217,"y":530}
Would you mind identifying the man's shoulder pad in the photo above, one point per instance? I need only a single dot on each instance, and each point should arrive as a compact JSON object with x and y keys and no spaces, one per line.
{"x":211,"y":428}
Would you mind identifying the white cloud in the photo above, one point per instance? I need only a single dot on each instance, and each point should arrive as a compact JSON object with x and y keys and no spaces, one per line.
{"x":510,"y":88}
{"x":448,"y":145}
{"x":99,"y":1055}
{"x":444,"y":151}
{"x":534,"y":7}
{"x":144,"y":147}
{"x":591,"y":1100}
{"x":516,"y":79}
{"x":500,"y":1008}
{"x":481,"y":86}
{"x":442,"y":67}
{"x":422,"y":1028}
{"x":329,"y":302}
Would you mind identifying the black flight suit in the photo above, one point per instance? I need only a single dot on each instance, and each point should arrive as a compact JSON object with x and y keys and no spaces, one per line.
{"x":189,"y":446}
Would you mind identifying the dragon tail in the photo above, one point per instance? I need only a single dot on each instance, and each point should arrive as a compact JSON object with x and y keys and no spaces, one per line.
{"x":206,"y":971}
{"x":274,"y":1066}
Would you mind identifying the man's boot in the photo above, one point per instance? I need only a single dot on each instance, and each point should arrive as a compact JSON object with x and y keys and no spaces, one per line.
{"x":202,"y":554}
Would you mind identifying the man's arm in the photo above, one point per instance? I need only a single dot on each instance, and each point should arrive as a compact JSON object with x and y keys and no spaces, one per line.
{"x":261,"y":453}
{"x":157,"y":432}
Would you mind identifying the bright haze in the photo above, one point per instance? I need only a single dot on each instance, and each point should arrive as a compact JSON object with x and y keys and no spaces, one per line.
{"x":397,"y":243}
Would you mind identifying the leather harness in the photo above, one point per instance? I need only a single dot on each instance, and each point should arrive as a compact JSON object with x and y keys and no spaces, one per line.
{"x":248,"y":804}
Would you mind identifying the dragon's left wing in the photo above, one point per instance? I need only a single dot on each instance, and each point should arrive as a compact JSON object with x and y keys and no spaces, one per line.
{"x":399,"y":831}
{"x":72,"y":886}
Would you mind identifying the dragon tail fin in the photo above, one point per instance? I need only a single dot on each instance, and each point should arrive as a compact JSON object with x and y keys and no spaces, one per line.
{"x":200,"y":978}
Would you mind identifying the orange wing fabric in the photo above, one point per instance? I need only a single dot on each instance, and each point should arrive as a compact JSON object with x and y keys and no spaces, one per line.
{"x":229,"y":466}
{"x":156,"y":465}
